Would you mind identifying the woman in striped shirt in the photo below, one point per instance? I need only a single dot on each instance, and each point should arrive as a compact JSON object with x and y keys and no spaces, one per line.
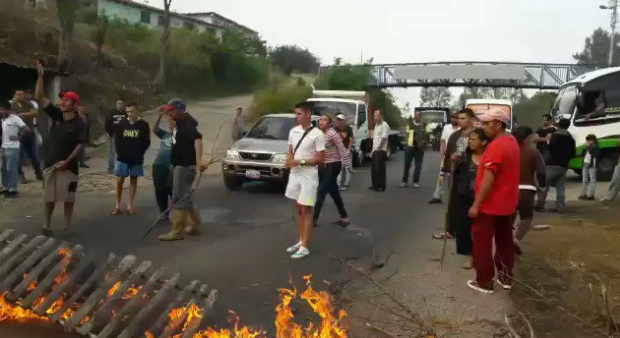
{"x":336,"y":160}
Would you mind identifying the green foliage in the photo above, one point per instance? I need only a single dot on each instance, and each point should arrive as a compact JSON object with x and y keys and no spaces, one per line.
{"x":348,"y":77}
{"x":199,"y":63}
{"x":281,"y":95}
{"x":596,"y":49}
{"x":294,"y":59}
{"x":529,"y":111}
{"x":435,"y":97}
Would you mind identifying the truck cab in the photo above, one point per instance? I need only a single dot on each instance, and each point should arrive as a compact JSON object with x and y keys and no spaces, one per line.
{"x":479,"y":106}
{"x":592,"y":103}
{"x":354,"y":105}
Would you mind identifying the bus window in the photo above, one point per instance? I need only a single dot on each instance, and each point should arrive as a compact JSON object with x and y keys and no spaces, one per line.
{"x":361,"y":115}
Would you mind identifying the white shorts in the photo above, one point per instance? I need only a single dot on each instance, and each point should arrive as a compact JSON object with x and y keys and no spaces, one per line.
{"x":302,"y":189}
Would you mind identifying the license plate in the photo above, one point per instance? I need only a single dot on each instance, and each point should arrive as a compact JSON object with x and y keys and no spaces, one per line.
{"x":252,"y":174}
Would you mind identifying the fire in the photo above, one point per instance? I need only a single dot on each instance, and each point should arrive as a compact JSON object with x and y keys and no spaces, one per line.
{"x":132,"y":292}
{"x":113,"y":289}
{"x":64,"y":252}
{"x":330,"y":326}
{"x":14,"y":312}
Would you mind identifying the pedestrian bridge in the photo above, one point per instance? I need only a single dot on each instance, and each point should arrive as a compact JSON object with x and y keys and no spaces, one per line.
{"x":542,"y":76}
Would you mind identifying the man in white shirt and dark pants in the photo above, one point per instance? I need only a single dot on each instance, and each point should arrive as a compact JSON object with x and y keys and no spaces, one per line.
{"x":448,"y":130}
{"x":380,"y":137}
{"x":13,"y":128}
{"x":306,"y":151}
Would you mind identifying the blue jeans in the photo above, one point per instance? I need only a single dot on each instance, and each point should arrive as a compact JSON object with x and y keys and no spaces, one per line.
{"x":416,"y":156}
{"x":10,"y":158}
{"x":556,"y":177}
{"x":614,"y":186}
{"x":111,"y":156}
{"x":589,"y":181}
{"x":344,"y":179}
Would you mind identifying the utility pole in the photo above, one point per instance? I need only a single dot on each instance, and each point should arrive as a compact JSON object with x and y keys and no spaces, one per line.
{"x":614,"y":20}
{"x":613,"y":6}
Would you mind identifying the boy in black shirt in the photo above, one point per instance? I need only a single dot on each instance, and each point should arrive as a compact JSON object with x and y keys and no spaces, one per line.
{"x":185,"y":162}
{"x":67,"y":136}
{"x":132,"y":138}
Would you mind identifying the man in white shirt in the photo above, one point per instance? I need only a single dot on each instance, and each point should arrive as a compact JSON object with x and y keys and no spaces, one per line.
{"x":13,"y":128}
{"x":380,"y":137}
{"x":306,"y":151}
{"x":448,"y":130}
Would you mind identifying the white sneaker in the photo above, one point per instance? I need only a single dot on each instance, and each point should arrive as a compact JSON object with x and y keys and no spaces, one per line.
{"x":301,"y":253}
{"x":415,"y":185}
{"x":474,"y":286}
{"x":504,"y":286}
{"x":294,"y":248}
{"x":403,"y":185}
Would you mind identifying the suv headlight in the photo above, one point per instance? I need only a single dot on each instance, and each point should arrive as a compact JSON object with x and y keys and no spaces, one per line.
{"x":232,"y":154}
{"x":279,"y":158}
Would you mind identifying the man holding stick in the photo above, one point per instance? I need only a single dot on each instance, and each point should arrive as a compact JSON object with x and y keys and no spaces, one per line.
{"x":185,"y":162}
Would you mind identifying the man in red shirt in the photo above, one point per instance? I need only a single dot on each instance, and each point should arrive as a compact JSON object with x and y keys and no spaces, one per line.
{"x":494,"y":208}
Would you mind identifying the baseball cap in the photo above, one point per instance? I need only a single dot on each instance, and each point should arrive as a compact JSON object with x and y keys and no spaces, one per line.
{"x":341,"y":117}
{"x":494,"y":114}
{"x":70,"y":95}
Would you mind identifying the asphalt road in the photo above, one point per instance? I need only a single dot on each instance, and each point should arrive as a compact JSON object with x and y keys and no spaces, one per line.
{"x":241,"y":251}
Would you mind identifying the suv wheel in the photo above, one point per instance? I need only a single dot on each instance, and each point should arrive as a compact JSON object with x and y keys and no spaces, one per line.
{"x":233,"y":183}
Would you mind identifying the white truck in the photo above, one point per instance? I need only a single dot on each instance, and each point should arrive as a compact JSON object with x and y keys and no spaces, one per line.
{"x":479,"y":106}
{"x":355,"y":106}
{"x":592,"y":103}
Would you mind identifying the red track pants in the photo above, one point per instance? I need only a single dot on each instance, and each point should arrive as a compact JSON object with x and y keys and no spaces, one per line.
{"x":484,"y":228}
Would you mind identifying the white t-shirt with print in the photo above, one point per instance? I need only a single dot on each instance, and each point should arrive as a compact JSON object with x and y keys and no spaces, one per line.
{"x":11,"y":126}
{"x":448,"y":130}
{"x":382,"y":131}
{"x":313,"y":143}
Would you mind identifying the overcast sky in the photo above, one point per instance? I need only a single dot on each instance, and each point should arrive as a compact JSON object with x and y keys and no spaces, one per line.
{"x":418,"y":30}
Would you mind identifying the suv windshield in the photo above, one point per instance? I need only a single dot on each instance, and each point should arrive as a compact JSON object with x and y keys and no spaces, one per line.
{"x":335,"y":108}
{"x":272,"y":128}
{"x":433,"y":116}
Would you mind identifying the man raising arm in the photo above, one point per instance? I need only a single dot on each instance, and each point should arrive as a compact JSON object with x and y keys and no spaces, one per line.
{"x":67,"y":136}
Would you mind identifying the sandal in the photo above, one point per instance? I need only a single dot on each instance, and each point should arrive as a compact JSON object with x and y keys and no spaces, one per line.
{"x":442,"y":235}
{"x":132,"y":212}
{"x":116,"y":212}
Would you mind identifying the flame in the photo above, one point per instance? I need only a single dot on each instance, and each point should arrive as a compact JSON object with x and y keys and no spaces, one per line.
{"x":113,"y":289}
{"x":14,"y":312}
{"x":330,"y":325}
{"x":64,"y":252}
{"x":132,"y":292}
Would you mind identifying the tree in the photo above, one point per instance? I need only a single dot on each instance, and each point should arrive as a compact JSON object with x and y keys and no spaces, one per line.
{"x":294,"y":59}
{"x":472,"y":93}
{"x":165,"y":46}
{"x":67,"y":12}
{"x":102,"y":28}
{"x":596,"y":49}
{"x":435,"y":97}
{"x":529,"y":111}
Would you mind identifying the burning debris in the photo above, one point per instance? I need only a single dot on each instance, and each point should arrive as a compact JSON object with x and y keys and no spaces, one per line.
{"x":46,"y":281}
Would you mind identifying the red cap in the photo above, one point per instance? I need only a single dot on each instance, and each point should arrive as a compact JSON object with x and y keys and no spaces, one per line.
{"x":70,"y":95}
{"x":167,"y":107}
{"x":494,"y":114}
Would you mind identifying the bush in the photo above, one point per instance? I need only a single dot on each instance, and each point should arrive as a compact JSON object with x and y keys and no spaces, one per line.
{"x":280,"y":96}
{"x":198,"y":62}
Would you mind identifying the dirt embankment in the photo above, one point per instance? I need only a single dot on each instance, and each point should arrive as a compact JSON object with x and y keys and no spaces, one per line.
{"x":569,"y":277}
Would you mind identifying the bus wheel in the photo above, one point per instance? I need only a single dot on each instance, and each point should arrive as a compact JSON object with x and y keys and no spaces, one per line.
{"x":606,"y":165}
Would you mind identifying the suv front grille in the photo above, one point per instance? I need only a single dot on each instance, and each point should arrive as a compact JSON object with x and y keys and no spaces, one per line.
{"x":255,"y":156}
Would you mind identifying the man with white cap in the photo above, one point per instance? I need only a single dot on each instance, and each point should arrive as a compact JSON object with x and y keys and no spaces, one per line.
{"x":346,"y":132}
{"x":495,"y":204}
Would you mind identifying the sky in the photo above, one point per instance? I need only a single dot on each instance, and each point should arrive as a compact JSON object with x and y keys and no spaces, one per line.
{"x":396,"y":31}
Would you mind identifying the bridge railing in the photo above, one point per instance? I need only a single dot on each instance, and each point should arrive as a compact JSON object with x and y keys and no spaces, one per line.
{"x":544,"y":76}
